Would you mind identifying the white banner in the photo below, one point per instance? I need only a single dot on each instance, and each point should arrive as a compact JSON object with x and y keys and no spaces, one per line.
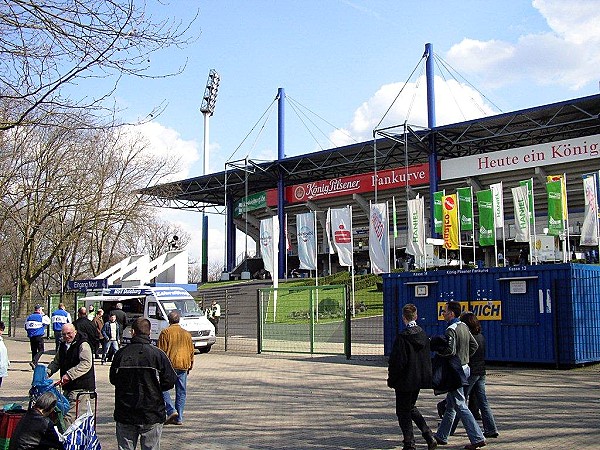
{"x":328,"y":233}
{"x":379,"y":238}
{"x":589,"y":229}
{"x":269,"y":244}
{"x":521,"y":203}
{"x":307,"y":241}
{"x":498,"y":204}
{"x":585,"y":148}
{"x":341,"y":229}
{"x":415,"y":242}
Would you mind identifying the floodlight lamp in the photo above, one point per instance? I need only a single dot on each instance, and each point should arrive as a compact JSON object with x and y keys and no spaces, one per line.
{"x":210,"y":93}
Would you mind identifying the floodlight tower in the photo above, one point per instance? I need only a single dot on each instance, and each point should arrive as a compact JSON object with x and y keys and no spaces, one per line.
{"x":207,"y":109}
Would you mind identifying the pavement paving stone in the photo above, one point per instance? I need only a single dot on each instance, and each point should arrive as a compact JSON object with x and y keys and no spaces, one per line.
{"x":273,"y":401}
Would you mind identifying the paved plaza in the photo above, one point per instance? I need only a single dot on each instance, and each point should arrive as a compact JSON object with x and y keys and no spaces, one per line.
{"x":274,"y":401}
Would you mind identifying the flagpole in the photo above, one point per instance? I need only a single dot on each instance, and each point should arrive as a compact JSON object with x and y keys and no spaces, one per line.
{"x":473,"y":225}
{"x":596,"y":179}
{"x":395,"y":229}
{"x":566,"y":213}
{"x":532,"y":212}
{"x":422,"y":241}
{"x":503,"y":236}
{"x":352,"y":267}
{"x":286,"y":246}
{"x":459,"y":231}
{"x":387,"y":230}
{"x":316,"y":263}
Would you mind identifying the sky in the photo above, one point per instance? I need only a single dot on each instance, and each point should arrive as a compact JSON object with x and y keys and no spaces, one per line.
{"x":343,"y":62}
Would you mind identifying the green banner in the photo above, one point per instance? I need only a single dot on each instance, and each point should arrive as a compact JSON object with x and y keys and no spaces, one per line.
{"x":437,"y":210}
{"x":529,"y":184}
{"x":487,"y":232}
{"x":250,"y":203}
{"x":555,"y":209}
{"x":465,"y":207}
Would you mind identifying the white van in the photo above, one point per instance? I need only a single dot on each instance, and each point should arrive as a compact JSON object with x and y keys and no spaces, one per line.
{"x":155,"y":303}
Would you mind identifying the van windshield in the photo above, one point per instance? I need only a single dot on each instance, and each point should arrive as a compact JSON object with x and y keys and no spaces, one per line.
{"x":186,"y":307}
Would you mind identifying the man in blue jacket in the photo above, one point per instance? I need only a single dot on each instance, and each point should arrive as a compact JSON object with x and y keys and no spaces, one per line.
{"x":35,"y":325}
{"x":140,"y":373}
{"x":59,"y":318}
{"x":409,"y":371}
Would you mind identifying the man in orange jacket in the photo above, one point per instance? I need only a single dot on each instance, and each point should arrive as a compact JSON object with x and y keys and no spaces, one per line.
{"x":177,"y":344}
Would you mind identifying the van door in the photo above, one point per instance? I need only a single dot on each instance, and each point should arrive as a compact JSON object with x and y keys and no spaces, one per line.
{"x":158,"y":319}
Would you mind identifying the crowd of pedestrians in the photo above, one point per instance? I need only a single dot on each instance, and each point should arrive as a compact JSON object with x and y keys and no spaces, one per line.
{"x":457,"y":369}
{"x":143,"y":374}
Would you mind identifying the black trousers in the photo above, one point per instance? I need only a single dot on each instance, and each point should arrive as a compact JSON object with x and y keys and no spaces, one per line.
{"x":407,"y":413}
{"x":36,"y":344}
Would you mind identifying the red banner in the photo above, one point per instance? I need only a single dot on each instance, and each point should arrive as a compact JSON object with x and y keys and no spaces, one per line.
{"x":386,"y":179}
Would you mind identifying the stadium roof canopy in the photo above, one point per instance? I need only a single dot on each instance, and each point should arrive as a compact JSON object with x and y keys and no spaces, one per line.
{"x":554,"y":122}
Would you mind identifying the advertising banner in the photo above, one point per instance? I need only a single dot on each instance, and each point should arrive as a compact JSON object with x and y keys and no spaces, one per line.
{"x":585,"y":148}
{"x":341,"y":229}
{"x":269,"y":242}
{"x":307,"y":241}
{"x":416,"y":175}
{"x":589,"y":229}
{"x":555,"y":208}
{"x":250,"y":203}
{"x":379,"y":239}
{"x":498,"y":204}
{"x":465,"y":207}
{"x":531,"y":207}
{"x":521,"y":204}
{"x":487,"y":232}
{"x":437,"y":210}
{"x":450,"y":219}
{"x":415,"y":243}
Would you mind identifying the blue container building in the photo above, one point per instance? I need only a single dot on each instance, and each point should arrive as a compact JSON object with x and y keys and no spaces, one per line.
{"x":529,"y":314}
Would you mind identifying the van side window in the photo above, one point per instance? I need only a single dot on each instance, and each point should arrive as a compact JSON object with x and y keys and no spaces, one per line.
{"x":154,"y":311}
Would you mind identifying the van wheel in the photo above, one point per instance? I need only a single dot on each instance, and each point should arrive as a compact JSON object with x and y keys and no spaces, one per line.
{"x":205,"y":349}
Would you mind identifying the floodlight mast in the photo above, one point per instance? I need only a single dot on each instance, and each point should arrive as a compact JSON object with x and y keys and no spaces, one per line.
{"x":207,"y":109}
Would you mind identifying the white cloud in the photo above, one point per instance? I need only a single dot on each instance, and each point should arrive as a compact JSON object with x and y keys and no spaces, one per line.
{"x":567,"y":55}
{"x":165,"y":141}
{"x":455,"y":102}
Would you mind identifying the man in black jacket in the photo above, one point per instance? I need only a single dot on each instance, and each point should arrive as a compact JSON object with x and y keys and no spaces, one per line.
{"x":409,"y":371}
{"x":140,"y":373}
{"x":86,"y":327}
{"x":75,"y":362}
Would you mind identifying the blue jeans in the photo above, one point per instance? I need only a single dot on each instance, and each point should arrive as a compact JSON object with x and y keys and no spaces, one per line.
{"x":477,"y":388}
{"x":180,"y":393}
{"x":109,"y":350}
{"x":148,"y":435}
{"x":455,"y":404}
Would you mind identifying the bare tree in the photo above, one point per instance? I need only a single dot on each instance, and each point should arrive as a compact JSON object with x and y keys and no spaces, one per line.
{"x":50,"y":49}
{"x":70,"y":199}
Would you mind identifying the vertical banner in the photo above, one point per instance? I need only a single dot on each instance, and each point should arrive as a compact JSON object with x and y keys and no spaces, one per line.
{"x":531,"y":203}
{"x":437,"y":210}
{"x":465,"y":206}
{"x":563,"y":192}
{"x":415,"y":242}
{"x":522,"y":222}
{"x":307,"y":241}
{"x":450,"y":220}
{"x":487,"y":232}
{"x":498,"y":204}
{"x":341,"y":229}
{"x":328,"y":233}
{"x":379,"y":239}
{"x":589,"y":229}
{"x":555,"y":208}
{"x":269,"y":250}
{"x":269,"y":241}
